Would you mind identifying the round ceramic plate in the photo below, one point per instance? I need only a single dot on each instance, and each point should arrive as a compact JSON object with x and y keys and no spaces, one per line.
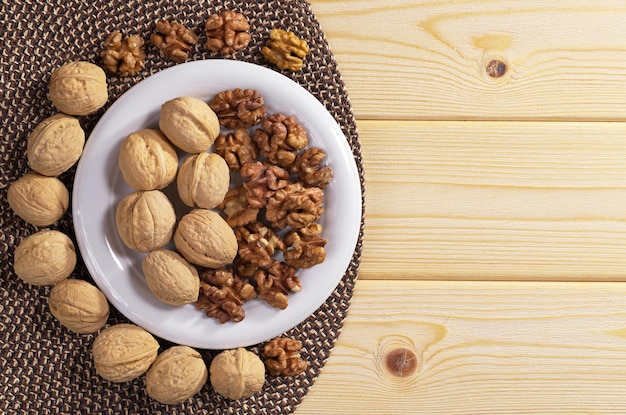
{"x":99,"y":186}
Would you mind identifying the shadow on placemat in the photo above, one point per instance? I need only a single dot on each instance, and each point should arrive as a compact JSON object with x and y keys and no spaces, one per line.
{"x":46,"y":368}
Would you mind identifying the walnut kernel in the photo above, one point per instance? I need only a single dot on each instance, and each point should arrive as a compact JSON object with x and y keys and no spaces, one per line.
{"x":305,"y":248}
{"x":174,"y":40}
{"x":237,"y":148}
{"x":280,"y":138}
{"x":285,"y":50}
{"x":222,"y":295}
{"x":123,"y":56}
{"x":295,"y":205}
{"x":239,"y":108}
{"x":282,"y":357}
{"x":236,"y":207}
{"x":227,"y":32}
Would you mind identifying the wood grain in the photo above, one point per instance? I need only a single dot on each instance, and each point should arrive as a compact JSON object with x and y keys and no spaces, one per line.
{"x":403,"y":59}
{"x":494,"y":200}
{"x":502,"y":348}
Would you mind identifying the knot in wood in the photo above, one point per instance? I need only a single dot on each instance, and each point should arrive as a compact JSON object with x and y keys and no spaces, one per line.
{"x":401,"y":362}
{"x":495,"y":68}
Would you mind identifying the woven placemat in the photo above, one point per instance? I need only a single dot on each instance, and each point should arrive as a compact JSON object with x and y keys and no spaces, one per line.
{"x":45,"y":368}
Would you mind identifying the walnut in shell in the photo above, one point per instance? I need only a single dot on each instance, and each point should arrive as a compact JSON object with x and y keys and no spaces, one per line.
{"x":205,"y":239}
{"x":237,"y":373}
{"x":78,"y":88}
{"x":189,"y":123}
{"x":170,"y":277}
{"x":39,"y":200}
{"x":176,"y":375}
{"x":147,"y":160}
{"x":203,"y":180}
{"x":55,"y":145}
{"x":44,"y":258}
{"x":79,"y":305}
{"x":123,"y":352}
{"x":145,"y":220}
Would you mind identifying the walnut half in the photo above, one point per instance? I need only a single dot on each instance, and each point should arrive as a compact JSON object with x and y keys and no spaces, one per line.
{"x":285,"y":50}
{"x":227,"y":32}
{"x":282,"y":357}
{"x":174,"y":40}
{"x":124,"y":57}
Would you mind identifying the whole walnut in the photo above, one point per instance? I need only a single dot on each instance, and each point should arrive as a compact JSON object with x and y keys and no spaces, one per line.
{"x":123,"y":352}
{"x":79,"y":305}
{"x":205,"y":239}
{"x":189,"y":123}
{"x":55,"y":145}
{"x":237,"y":373}
{"x":170,"y":277}
{"x":78,"y":88}
{"x":39,"y":200}
{"x":145,"y":220}
{"x":176,"y":375}
{"x":147,"y":160}
{"x":203,"y":180}
{"x":44,"y":258}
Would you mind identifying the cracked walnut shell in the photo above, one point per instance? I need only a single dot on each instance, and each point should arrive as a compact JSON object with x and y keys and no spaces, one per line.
{"x":39,"y":200}
{"x":203,"y":180}
{"x":237,"y":373}
{"x":285,"y":50}
{"x":123,"y":56}
{"x":44,"y":258}
{"x":147,"y":160}
{"x":123,"y":352}
{"x":79,"y":306}
{"x":55,"y":145}
{"x":189,"y":123}
{"x":78,"y":88}
{"x":227,"y":32}
{"x":145,"y":220}
{"x":204,"y":238}
{"x":170,"y":277}
{"x":176,"y":375}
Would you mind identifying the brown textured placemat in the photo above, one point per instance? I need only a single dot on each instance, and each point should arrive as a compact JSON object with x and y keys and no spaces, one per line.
{"x":46,"y":369}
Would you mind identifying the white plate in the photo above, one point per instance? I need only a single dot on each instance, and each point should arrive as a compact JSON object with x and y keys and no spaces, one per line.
{"x":99,"y":186}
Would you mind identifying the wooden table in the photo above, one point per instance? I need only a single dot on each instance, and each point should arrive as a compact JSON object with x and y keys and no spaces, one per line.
{"x":494,"y":261}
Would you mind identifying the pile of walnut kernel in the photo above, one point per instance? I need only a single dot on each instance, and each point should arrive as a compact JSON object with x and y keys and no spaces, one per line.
{"x":274,"y":211}
{"x":226,"y":32}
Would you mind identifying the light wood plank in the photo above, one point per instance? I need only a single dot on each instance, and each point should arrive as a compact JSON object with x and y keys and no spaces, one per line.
{"x":406,"y":59}
{"x":482,"y":348}
{"x":494,"y":200}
